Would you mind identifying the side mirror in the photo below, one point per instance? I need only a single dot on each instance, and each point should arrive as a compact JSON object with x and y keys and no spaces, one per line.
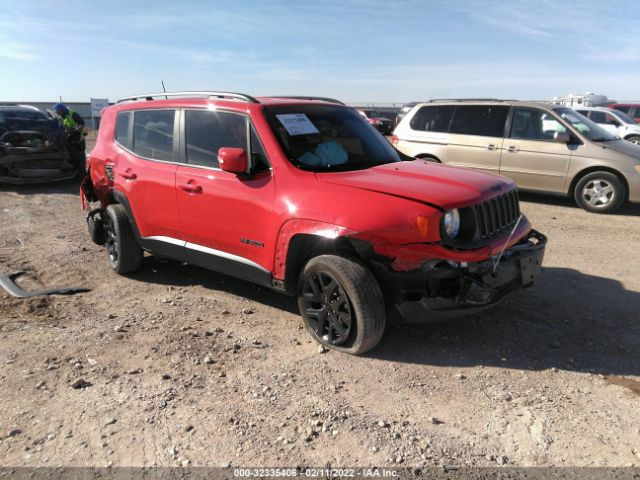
{"x":561,"y":137}
{"x":233,"y":160}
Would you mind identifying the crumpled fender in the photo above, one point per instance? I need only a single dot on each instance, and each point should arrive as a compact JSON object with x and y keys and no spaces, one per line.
{"x":297,"y":226}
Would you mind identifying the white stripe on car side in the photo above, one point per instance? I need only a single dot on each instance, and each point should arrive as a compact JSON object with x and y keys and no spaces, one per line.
{"x":207,"y":250}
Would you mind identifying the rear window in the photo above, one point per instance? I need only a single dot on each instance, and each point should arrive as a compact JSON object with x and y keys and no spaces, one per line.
{"x":482,"y":120}
{"x":153,"y":134}
{"x":432,"y":119}
{"x":123,"y":135}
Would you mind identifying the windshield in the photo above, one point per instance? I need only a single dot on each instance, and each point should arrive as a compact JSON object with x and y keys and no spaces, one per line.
{"x":324,"y":138}
{"x":622,"y":116}
{"x":585,"y":126}
{"x":23,"y":114}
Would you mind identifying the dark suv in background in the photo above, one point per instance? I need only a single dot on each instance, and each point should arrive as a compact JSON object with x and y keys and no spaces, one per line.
{"x":32,"y":146}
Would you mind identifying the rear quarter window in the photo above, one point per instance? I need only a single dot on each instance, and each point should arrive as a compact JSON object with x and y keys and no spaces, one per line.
{"x":153,"y":134}
{"x":123,"y":132}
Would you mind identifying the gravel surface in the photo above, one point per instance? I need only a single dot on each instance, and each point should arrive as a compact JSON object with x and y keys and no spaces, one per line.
{"x":177,"y":366}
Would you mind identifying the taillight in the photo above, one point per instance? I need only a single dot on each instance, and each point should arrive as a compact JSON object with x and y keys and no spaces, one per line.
{"x":394,"y":140}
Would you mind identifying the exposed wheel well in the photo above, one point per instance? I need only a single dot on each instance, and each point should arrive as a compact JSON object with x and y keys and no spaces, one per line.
{"x":303,"y":247}
{"x":425,"y":156}
{"x":589,"y":170}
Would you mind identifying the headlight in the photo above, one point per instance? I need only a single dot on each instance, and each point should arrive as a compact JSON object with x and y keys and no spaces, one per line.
{"x":452,"y":223}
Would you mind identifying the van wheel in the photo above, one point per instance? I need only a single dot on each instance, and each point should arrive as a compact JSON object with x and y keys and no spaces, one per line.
{"x":600,"y":192}
{"x":125,"y":255}
{"x":341,"y":304}
{"x":633,"y":139}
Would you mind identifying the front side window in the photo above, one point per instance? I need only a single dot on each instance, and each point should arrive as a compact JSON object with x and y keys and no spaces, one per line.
{"x":432,"y":119}
{"x":328,"y":138}
{"x":122,"y":129}
{"x":532,"y":124}
{"x":206,"y":132}
{"x":259,"y":159}
{"x":153,"y":134}
{"x":482,"y":120}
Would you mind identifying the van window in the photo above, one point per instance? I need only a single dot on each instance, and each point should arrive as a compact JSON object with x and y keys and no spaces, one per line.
{"x":122,"y":129}
{"x":532,"y":124}
{"x":153,"y":134}
{"x":432,"y":119}
{"x":483,"y":120}
{"x":207,"y":131}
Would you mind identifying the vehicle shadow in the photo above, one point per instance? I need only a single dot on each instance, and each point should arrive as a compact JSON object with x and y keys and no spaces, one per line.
{"x":568,"y":320}
{"x":629,"y":209}
{"x":173,"y":273}
{"x":68,"y":187}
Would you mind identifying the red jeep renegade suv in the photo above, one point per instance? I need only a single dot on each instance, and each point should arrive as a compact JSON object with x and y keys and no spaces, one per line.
{"x":303,"y":196}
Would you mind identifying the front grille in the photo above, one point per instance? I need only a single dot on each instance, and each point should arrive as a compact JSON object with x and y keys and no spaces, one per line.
{"x":497,"y":214}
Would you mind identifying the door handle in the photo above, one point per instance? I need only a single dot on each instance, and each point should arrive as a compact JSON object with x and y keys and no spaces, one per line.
{"x":191,"y":187}
{"x":513,"y":149}
{"x":128,"y":174}
{"x":492,"y":146}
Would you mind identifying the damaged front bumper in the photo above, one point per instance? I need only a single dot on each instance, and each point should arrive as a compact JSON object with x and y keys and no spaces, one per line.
{"x":443,"y":289}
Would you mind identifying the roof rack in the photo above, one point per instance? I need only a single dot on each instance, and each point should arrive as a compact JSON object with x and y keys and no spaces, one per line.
{"x":302,"y":97}
{"x":152,"y":96}
{"x":469,"y":100}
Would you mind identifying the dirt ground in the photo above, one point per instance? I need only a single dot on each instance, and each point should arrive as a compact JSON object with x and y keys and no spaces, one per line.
{"x":187,"y":367}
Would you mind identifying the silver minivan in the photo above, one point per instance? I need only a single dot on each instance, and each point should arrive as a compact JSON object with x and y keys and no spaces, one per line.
{"x":542,"y":147}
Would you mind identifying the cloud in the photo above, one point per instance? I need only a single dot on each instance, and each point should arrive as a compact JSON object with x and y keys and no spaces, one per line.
{"x":17,"y":51}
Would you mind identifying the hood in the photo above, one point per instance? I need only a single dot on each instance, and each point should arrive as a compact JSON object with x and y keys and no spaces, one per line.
{"x":621,"y":146}
{"x":438,"y":185}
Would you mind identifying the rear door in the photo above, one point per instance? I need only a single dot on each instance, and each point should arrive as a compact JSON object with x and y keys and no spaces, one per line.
{"x":144,"y":169}
{"x":476,"y":136}
{"x":531,"y":157}
{"x":226,"y":218}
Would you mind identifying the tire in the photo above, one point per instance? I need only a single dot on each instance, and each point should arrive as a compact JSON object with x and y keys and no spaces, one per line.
{"x":124,"y":253}
{"x":633,"y":139}
{"x":348,"y":316}
{"x":600,"y":192}
{"x":428,"y":158}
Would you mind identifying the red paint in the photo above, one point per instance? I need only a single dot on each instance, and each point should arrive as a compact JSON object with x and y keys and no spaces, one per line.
{"x":216,"y":208}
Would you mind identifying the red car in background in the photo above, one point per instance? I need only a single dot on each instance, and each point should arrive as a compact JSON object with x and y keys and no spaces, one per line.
{"x":631,"y":109}
{"x":303,"y":197}
{"x":381,"y":123}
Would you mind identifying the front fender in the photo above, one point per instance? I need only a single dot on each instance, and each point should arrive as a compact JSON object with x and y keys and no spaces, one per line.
{"x":296,"y":226}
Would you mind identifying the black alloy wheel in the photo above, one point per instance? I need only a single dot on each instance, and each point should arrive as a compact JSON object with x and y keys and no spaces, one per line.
{"x":327,"y":308}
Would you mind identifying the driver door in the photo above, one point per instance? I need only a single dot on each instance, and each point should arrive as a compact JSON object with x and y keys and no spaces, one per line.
{"x":225,"y":217}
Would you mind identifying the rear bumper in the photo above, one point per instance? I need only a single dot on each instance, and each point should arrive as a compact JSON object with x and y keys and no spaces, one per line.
{"x":442,"y":290}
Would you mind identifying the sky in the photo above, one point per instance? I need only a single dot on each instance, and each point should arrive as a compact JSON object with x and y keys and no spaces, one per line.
{"x":355,"y":50}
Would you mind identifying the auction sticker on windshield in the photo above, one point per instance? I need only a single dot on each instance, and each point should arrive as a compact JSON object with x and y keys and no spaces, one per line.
{"x":297,"y":124}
